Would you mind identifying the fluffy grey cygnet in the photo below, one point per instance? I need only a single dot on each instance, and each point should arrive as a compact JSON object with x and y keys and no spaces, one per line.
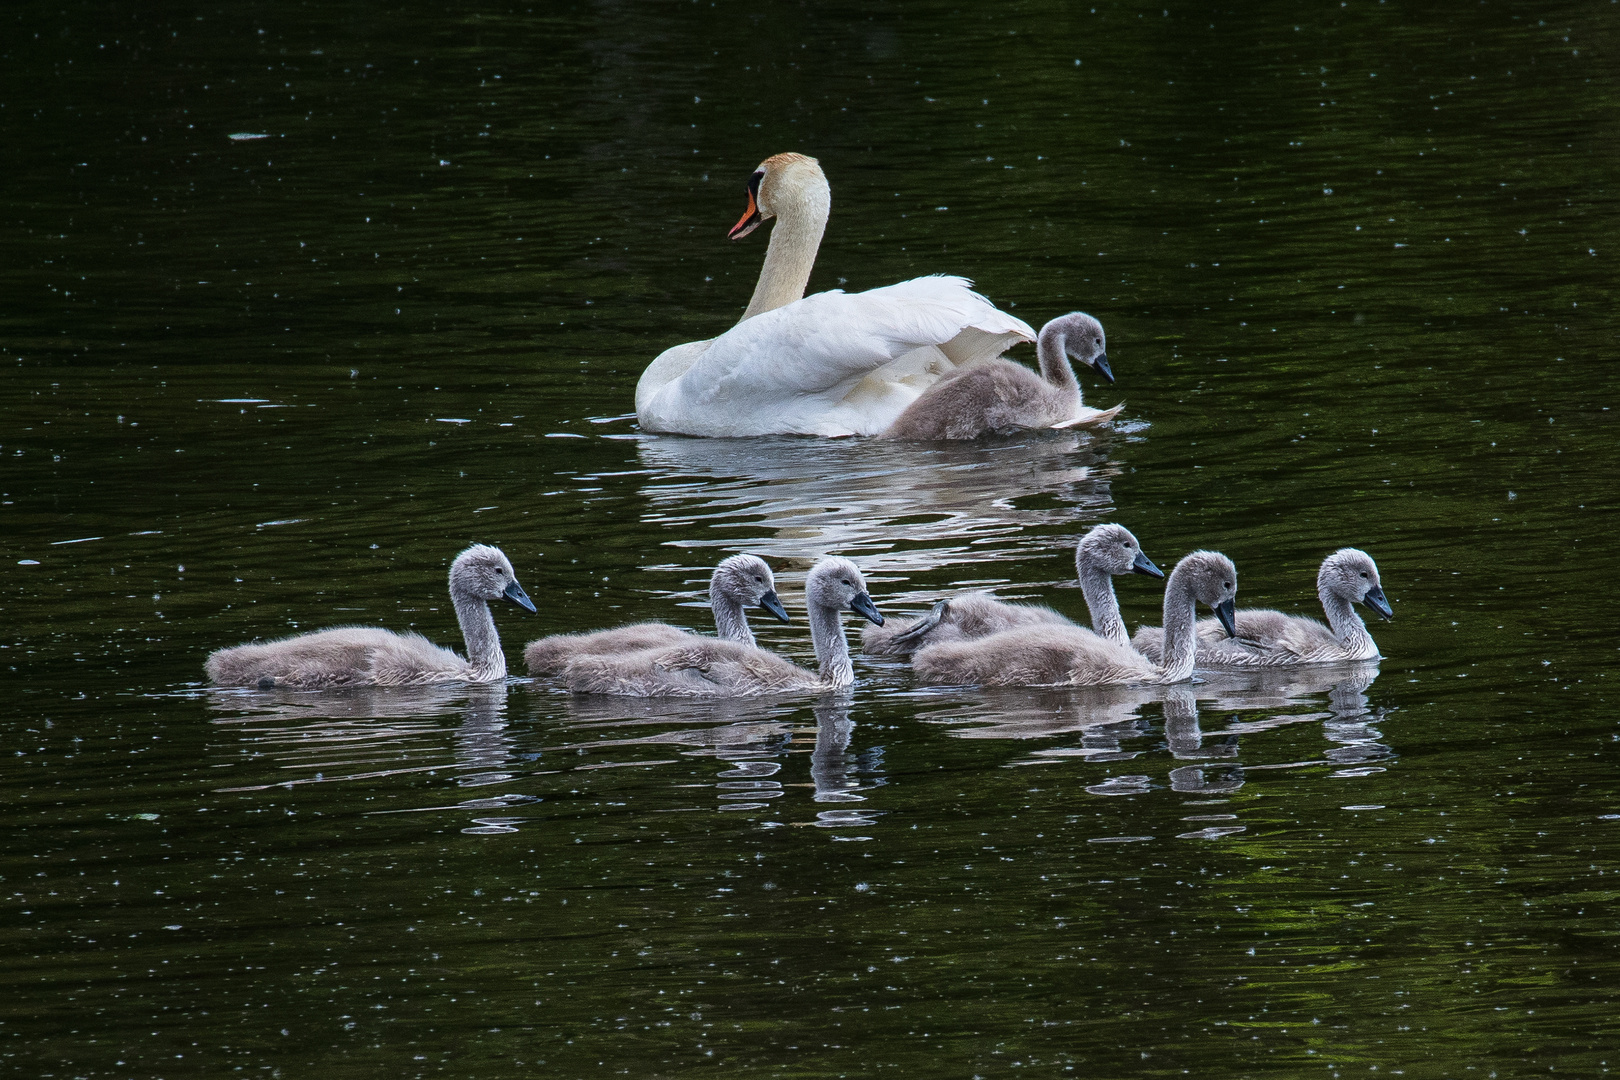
{"x":999,"y":395}
{"x":1266,"y":638}
{"x":1074,"y":656}
{"x":710,"y":668}
{"x":739,"y":582}
{"x":1105,"y":551}
{"x":368,"y":656}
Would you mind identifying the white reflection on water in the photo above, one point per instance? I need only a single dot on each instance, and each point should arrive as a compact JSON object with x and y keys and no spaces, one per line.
{"x":893,"y":507}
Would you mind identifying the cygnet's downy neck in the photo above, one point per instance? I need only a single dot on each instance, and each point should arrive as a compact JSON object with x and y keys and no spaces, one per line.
{"x":730,"y":621}
{"x":1054,"y":357}
{"x":478,"y":631}
{"x":832,"y":651}
{"x":1180,"y":630}
{"x":791,"y":255}
{"x":1346,"y":623}
{"x":1098,"y":586}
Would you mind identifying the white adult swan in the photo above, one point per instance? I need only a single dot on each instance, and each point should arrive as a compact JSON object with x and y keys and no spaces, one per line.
{"x":739,"y":582}
{"x":1105,"y":551}
{"x":829,"y":364}
{"x":1263,"y":637}
{"x":1074,"y":656}
{"x":711,"y":668}
{"x":999,"y":395}
{"x":368,"y":656}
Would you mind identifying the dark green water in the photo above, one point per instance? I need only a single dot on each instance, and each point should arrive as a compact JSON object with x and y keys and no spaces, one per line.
{"x":1355,"y":266}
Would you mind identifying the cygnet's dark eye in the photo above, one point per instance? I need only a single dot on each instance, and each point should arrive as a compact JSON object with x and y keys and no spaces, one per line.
{"x":1226,"y":584}
{"x":1364,"y":573}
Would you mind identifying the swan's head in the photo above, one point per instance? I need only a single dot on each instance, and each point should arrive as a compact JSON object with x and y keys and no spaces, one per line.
{"x":1112,"y":548}
{"x":1079,"y":337}
{"x":837,"y":584}
{"x":1352,"y":574}
{"x":1211,"y":579}
{"x":787,"y":185}
{"x":746,"y":580}
{"x":484,"y":572}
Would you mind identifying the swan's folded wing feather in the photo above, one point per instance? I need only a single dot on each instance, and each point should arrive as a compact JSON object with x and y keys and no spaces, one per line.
{"x":784,"y":369}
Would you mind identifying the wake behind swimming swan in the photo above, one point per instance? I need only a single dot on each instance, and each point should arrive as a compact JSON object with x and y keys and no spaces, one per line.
{"x":369,"y":656}
{"x":712,"y":668}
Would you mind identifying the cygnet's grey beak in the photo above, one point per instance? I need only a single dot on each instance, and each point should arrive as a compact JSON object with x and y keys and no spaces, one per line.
{"x":514,"y":592}
{"x":1376,"y":600}
{"x":862,"y":605}
{"x":1224,"y":611}
{"x":771,"y":603}
{"x":1144,"y":565}
{"x":1101,"y":364}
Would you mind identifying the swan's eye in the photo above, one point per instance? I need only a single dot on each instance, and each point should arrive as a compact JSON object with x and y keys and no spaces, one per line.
{"x":1364,"y":573}
{"x":1226,"y":584}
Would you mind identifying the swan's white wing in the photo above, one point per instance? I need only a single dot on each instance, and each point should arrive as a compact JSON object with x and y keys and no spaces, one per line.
{"x":804,"y":368}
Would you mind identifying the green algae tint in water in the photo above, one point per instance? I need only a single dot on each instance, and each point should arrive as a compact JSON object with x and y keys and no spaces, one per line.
{"x":1354,"y":263}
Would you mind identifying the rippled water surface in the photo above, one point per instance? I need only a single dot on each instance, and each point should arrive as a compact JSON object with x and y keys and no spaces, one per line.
{"x":300,"y":300}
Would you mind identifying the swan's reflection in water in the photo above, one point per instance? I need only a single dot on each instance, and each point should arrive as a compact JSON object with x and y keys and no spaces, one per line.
{"x":371,"y":733}
{"x":1098,"y":725}
{"x":893,"y":507}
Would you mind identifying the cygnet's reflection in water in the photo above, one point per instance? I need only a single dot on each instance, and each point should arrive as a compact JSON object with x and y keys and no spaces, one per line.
{"x":1107,"y":719}
{"x":802,"y":498}
{"x":370,"y":733}
{"x":754,"y":740}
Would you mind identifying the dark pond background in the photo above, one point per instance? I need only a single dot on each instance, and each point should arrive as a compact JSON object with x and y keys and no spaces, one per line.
{"x":1355,"y":262}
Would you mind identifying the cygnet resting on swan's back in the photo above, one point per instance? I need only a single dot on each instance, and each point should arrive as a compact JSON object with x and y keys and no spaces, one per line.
{"x":1001,"y":396}
{"x":834,"y":363}
{"x":1074,"y":656}
{"x":739,"y":582}
{"x":1105,"y":551}
{"x":368,"y":656}
{"x":709,"y":668}
{"x":1263,"y":637}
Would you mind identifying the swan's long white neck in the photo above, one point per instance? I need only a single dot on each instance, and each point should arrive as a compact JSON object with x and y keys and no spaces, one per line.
{"x":484,"y":654}
{"x":791,"y":256}
{"x":832,"y":651}
{"x":1347,"y":625}
{"x":1098,"y":586}
{"x":1180,"y":630}
{"x":730,"y":621}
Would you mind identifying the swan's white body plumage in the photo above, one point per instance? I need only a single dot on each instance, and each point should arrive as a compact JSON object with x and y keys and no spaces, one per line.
{"x":833,"y":363}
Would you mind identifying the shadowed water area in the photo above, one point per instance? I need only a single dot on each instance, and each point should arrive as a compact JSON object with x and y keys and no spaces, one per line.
{"x":300,"y":300}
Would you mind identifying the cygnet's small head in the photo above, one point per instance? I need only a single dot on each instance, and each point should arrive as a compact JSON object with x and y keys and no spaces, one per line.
{"x":1112,"y":548}
{"x":1212,"y":579}
{"x":1352,"y":574}
{"x":748,"y":581}
{"x":782,"y":182}
{"x":1079,"y":337}
{"x":837,"y":584}
{"x":485,"y":572}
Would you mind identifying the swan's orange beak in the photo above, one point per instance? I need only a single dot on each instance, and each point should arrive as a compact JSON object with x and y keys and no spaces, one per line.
{"x":750,"y":219}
